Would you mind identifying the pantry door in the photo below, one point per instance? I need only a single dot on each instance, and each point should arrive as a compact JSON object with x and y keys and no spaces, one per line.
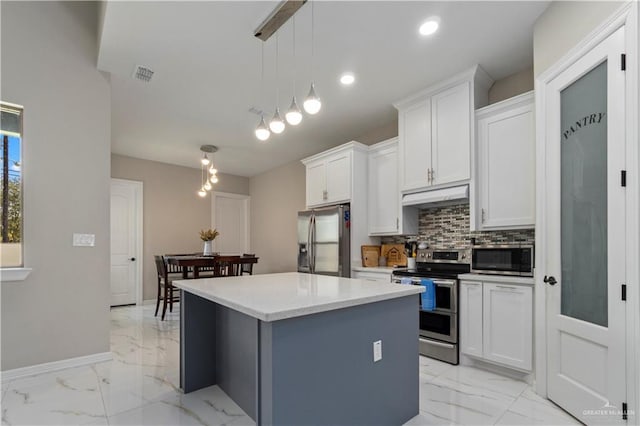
{"x":584,"y":264}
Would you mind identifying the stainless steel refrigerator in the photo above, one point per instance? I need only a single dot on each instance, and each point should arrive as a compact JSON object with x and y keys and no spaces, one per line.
{"x":324,"y":241}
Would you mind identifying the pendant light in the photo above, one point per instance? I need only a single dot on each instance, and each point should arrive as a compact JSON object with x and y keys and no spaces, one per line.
{"x":294,"y":115}
{"x":209,"y":175}
{"x":262,"y":131}
{"x":312,"y":103}
{"x":277,"y":124}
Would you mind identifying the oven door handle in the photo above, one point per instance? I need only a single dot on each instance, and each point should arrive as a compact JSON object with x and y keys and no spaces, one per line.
{"x":439,"y":344}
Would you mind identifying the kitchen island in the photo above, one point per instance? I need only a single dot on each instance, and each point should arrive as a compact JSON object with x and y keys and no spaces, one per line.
{"x":295,"y":348}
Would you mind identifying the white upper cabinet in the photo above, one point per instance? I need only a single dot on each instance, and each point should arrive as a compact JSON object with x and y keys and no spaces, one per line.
{"x":384,"y":194}
{"x":435,"y":132}
{"x":330,"y":175}
{"x":506,"y":165}
{"x":451,"y":135}
{"x":414,"y":129}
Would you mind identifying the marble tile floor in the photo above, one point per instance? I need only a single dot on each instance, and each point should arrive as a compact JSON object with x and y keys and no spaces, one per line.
{"x":140,"y":386}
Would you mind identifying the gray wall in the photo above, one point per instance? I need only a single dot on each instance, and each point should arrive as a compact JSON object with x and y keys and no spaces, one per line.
{"x":173,"y":213}
{"x":563,"y":25}
{"x":276,"y":198}
{"x":511,"y":85}
{"x":48,"y":65}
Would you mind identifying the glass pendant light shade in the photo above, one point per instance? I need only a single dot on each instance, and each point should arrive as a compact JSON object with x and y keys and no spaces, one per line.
{"x":312,"y":103}
{"x":213,"y":170}
{"x":202,"y":192}
{"x":214,"y":179}
{"x":294,"y":115}
{"x":277,"y":124}
{"x":262,"y":131}
{"x":207,"y":186}
{"x":204,"y":160}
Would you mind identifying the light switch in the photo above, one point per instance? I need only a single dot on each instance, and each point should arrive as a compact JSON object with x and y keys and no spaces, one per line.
{"x":84,"y":240}
{"x":377,"y":350}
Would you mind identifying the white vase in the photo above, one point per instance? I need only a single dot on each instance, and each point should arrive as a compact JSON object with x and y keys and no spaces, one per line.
{"x":208,"y":248}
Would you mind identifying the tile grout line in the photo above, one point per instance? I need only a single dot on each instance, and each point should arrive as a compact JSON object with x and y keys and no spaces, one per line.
{"x":104,"y":405}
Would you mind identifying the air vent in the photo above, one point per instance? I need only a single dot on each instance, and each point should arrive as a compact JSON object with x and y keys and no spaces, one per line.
{"x":143,"y":73}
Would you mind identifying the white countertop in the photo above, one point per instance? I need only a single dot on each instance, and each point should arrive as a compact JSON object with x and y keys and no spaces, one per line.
{"x":272,"y":297}
{"x":376,"y":269}
{"x":504,"y":279}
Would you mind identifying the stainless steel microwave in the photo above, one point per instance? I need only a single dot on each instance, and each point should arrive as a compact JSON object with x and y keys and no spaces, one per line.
{"x":503,"y":260}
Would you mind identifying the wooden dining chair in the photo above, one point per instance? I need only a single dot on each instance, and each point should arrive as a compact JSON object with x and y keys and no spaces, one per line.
{"x":226,"y":266}
{"x":246,"y":267}
{"x":166,"y":292}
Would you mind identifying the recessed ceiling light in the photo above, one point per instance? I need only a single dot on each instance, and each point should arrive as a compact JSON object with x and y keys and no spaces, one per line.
{"x":430,"y":26}
{"x":347,"y":78}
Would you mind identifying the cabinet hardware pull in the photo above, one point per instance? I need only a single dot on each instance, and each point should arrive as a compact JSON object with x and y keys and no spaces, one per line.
{"x":483,"y":215}
{"x":506,"y":287}
{"x":429,"y":175}
{"x":397,"y":223}
{"x":433,"y":175}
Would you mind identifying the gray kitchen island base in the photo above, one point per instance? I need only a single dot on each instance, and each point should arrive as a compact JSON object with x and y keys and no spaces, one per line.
{"x":315,"y":369}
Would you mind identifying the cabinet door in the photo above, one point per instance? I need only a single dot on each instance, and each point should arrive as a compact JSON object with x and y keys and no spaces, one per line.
{"x":338,"y":178}
{"x":451,"y":135}
{"x":414,"y":131}
{"x":508,"y":324}
{"x":506,"y":149}
{"x":471,"y":318}
{"x":316,"y":184}
{"x":384,"y":194}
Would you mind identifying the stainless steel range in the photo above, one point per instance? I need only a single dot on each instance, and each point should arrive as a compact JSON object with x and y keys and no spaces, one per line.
{"x":438,"y":328}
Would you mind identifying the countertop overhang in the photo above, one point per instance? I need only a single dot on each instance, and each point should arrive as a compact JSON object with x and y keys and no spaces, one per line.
{"x":273,"y":297}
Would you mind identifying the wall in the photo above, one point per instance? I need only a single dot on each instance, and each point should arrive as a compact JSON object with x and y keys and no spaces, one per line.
{"x":173,"y":213}
{"x":276,"y":198}
{"x":380,"y":133}
{"x":563,"y":25}
{"x":48,"y":65}
{"x":512,"y":85}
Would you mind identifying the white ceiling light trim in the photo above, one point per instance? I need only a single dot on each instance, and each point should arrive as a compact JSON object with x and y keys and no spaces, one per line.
{"x":347,"y":78}
{"x":430,"y":26}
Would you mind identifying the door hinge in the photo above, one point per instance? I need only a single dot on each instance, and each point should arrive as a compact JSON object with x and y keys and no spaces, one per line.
{"x":624,"y":292}
{"x":624,"y":411}
{"x":623,"y":61}
{"x":623,"y":178}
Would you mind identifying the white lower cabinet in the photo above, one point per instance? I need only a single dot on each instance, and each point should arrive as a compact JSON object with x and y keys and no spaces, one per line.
{"x":496,"y":323}
{"x":471,"y":318}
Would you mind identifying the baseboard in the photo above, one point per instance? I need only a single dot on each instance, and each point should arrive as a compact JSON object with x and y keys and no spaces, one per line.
{"x":48,"y":367}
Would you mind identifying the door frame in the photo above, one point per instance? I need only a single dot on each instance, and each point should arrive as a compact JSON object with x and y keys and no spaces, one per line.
{"x":627,"y":15}
{"x":247,"y":224}
{"x":138,"y":188}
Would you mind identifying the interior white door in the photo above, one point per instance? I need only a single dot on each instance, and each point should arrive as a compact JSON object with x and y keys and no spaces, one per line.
{"x":125,"y":241}
{"x":585,"y":234}
{"x":230,"y":216}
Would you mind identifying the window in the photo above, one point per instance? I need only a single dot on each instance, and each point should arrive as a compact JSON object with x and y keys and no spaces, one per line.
{"x":11,"y":193}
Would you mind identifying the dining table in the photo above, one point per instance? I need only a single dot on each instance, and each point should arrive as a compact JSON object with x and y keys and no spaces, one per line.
{"x":197,"y":261}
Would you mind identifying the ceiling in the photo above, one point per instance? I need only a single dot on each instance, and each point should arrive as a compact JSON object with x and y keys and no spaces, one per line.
{"x":207,"y":71}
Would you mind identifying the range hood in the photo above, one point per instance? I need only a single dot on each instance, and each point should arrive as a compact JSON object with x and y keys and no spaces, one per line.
{"x":437,"y":197}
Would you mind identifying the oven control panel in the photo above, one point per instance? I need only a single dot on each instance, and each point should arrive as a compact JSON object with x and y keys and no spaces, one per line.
{"x":444,"y":256}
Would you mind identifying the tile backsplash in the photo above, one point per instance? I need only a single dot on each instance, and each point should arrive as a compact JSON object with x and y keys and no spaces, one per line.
{"x":448,"y":227}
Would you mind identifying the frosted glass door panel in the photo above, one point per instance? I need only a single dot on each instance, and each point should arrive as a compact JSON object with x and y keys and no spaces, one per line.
{"x":584,"y":197}
{"x":327,"y":228}
{"x":327,"y":257}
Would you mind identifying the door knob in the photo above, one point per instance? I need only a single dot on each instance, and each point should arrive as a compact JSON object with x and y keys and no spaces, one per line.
{"x":133,"y":259}
{"x":550,"y":280}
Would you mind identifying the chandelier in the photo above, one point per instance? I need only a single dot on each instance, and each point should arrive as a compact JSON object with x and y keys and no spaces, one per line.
{"x":312,"y":104}
{"x":209,"y":175}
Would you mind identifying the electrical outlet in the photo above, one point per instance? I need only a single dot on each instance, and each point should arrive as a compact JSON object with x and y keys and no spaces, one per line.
{"x":377,"y":350}
{"x":84,"y":240}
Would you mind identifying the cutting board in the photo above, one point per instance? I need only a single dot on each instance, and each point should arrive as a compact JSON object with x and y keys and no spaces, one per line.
{"x":370,"y":255}
{"x":394,"y":254}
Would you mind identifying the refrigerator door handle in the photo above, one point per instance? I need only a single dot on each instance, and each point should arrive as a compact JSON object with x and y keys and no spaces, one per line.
{"x":310,"y":244}
{"x":313,"y":244}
